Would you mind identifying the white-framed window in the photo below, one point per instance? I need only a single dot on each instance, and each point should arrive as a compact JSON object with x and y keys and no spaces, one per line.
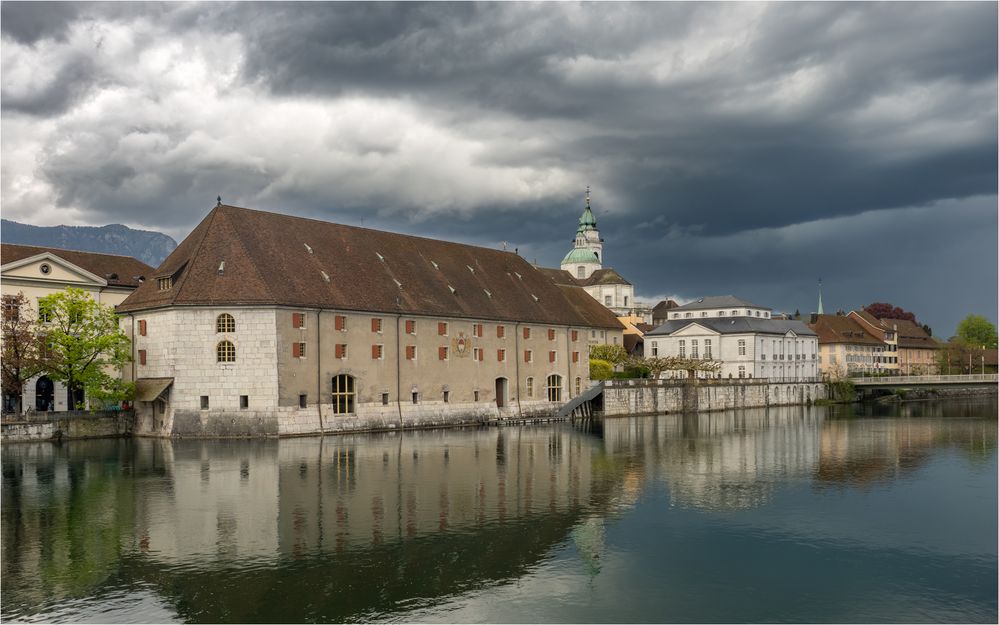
{"x":530,"y":387}
{"x":607,"y":300}
{"x":707,"y":349}
{"x":655,"y":348}
{"x":742,"y":347}
{"x":693,"y":348}
{"x":225,"y":323}
{"x":742,"y":371}
{"x":683,"y":349}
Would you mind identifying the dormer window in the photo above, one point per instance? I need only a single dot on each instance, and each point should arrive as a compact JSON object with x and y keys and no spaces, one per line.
{"x":165,"y":284}
{"x":580,"y":271}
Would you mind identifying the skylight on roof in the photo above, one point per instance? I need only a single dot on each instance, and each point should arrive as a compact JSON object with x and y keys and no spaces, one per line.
{"x":488,"y":294}
{"x":452,"y":289}
{"x":380,"y":257}
{"x":535,"y":297}
{"x":518,"y":275}
{"x":397,"y":283}
{"x":326,"y":276}
{"x":307,"y":248}
{"x":435,"y":265}
{"x":470,"y":268}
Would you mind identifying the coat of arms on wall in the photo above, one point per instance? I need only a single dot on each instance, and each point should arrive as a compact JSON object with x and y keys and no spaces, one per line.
{"x":461,"y":345}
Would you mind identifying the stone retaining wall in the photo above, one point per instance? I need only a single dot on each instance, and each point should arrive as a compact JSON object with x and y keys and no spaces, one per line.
{"x":638,"y":397}
{"x":69,"y":427}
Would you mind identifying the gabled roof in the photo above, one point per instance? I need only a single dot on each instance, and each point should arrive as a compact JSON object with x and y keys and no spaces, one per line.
{"x":841,"y":329}
{"x":736,"y":325}
{"x":911,"y":334}
{"x":663,"y":306}
{"x":719,"y":301}
{"x":273,"y":259}
{"x":125,"y":270}
{"x":590,"y":310}
{"x":600,"y":276}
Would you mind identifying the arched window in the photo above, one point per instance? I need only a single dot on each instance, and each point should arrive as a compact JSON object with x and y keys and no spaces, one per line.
{"x":343,"y":394}
{"x":554,"y":387}
{"x":579,"y":385}
{"x":530,"y":387}
{"x":225,"y":352}
{"x":225,"y":323}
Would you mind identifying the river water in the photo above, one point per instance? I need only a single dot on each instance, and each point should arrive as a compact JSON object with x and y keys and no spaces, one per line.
{"x":841,"y":514}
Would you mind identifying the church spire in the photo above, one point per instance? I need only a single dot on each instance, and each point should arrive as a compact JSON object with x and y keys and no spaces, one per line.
{"x":821,"y":312}
{"x":587,"y":221}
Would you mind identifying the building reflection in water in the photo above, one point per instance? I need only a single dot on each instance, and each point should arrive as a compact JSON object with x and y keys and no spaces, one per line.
{"x":393,"y":517}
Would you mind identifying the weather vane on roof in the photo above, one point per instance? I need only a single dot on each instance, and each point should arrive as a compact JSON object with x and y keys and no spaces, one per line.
{"x":587,"y":196}
{"x":219,"y":201}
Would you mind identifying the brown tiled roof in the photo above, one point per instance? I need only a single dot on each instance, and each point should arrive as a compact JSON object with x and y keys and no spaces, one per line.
{"x":912,"y":334}
{"x":632,"y":341}
{"x":273,"y":259}
{"x":558,"y":276}
{"x":645,"y":327}
{"x":663,"y":306}
{"x":124,"y":269}
{"x":840,"y":329}
{"x":593,"y":312}
{"x":603,"y":276}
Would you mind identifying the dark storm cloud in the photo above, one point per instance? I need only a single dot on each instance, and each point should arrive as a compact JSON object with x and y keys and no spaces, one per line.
{"x":702,"y":128}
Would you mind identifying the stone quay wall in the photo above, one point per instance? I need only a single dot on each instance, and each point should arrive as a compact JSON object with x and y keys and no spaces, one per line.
{"x":640,"y":397}
{"x":73,"y":425}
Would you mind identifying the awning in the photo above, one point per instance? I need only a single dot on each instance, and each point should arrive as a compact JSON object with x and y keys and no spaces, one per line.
{"x":149,"y":389}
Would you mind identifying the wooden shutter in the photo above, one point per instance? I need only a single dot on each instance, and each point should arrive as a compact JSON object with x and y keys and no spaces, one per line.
{"x":376,"y":324}
{"x":500,"y":355}
{"x":575,"y":356}
{"x":551,"y":356}
{"x":340,"y":322}
{"x":527,"y":355}
{"x":500,"y":331}
{"x":297,"y":320}
{"x":575,"y":335}
{"x":442,"y":353}
{"x":441,"y":328}
{"x":527,"y":333}
{"x":142,"y":327}
{"x":142,"y":356}
{"x":410,"y":352}
{"x":374,"y":352}
{"x":340,"y":349}
{"x":551,"y":334}
{"x":410,"y":326}
{"x":296,"y":350}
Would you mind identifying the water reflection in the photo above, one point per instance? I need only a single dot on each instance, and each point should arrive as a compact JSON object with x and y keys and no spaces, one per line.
{"x":379,"y":526}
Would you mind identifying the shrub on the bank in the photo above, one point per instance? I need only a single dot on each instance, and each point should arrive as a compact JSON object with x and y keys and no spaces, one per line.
{"x":600,"y":369}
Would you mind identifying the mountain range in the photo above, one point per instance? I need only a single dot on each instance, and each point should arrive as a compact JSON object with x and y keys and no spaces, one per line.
{"x":148,"y":246}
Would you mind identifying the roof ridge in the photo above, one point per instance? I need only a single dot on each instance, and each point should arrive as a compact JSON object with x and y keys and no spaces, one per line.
{"x":64,"y":249}
{"x":197,"y":250}
{"x":253,"y":263}
{"x":342,"y":225}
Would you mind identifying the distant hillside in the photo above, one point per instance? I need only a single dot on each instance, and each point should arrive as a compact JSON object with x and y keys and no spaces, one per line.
{"x":149,"y":247}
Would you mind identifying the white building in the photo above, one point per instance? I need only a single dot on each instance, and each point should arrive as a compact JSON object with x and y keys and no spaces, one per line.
{"x":741,"y":336}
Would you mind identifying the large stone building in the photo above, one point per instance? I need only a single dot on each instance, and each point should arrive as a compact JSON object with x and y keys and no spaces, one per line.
{"x":584,"y":267}
{"x":884,"y":332}
{"x":260,"y":323}
{"x":41,"y":271}
{"x":741,"y":336}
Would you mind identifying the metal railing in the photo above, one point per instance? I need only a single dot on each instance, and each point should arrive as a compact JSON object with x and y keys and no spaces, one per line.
{"x":927,"y":379}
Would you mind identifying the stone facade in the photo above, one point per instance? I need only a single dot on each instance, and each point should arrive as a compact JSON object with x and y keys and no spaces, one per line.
{"x":406,"y":371}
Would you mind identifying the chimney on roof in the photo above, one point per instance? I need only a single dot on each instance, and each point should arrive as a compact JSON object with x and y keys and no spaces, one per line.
{"x":814,"y":317}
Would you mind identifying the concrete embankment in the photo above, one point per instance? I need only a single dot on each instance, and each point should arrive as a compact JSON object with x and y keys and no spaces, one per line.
{"x":68,"y":426}
{"x":642,"y":397}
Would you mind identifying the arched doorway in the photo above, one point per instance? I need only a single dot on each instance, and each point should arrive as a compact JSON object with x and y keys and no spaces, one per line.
{"x":44,"y":393}
{"x":501,"y":389}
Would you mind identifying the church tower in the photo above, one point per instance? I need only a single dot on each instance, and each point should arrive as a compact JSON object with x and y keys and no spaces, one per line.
{"x":586,"y":255}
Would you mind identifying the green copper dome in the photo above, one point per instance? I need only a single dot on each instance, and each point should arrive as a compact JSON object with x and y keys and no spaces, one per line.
{"x":587,"y":221}
{"x":580,"y":255}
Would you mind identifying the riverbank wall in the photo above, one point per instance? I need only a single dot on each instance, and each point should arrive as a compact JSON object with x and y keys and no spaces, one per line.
{"x":74,"y":425}
{"x":646,"y":397}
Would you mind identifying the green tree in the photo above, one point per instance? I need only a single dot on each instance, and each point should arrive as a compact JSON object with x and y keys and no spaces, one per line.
{"x":977,"y":331}
{"x":85,"y":342}
{"x":614,"y":354}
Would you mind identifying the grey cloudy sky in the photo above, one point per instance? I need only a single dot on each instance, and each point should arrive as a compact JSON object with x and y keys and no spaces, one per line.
{"x":732,"y":148}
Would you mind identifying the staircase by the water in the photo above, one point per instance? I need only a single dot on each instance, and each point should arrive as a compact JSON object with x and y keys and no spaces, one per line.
{"x":582,"y":406}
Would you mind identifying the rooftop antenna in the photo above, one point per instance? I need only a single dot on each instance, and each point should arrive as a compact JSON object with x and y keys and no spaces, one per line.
{"x":219,"y":201}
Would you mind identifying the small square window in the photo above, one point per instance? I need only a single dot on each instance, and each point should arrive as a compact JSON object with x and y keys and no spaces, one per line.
{"x":244,"y":402}
{"x":204,"y":402}
{"x":302,"y":400}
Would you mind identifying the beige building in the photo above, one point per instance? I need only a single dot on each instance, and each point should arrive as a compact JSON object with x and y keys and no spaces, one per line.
{"x":41,"y":271}
{"x":845,"y":348}
{"x":265,"y":324}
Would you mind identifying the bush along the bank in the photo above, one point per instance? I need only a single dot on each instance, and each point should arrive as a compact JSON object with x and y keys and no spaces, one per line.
{"x":841,"y":391}
{"x":601,"y":369}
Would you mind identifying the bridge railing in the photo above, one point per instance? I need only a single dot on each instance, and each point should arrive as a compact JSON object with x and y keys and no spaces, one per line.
{"x":926,"y":379}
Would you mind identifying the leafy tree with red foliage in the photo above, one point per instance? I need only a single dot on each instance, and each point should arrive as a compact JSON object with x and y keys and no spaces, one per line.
{"x":884,"y":310}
